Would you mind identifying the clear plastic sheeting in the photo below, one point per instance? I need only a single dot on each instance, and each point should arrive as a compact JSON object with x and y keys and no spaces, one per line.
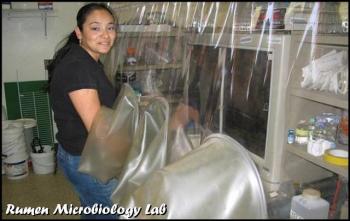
{"x":217,"y":180}
{"x":135,"y":127}
{"x":156,"y":142}
{"x":149,"y":148}
{"x":327,"y":73}
{"x":180,"y":145}
{"x":110,"y":138}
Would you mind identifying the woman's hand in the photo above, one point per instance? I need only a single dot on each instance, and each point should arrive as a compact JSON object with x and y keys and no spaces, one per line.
{"x":183,"y":115}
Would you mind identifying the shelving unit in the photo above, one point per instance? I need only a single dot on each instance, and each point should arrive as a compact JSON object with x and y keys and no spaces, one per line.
{"x":321,"y":97}
{"x":30,"y":13}
{"x":151,"y":67}
{"x":172,"y":33}
{"x":304,"y":103}
{"x":19,"y":12}
{"x":302,"y":152}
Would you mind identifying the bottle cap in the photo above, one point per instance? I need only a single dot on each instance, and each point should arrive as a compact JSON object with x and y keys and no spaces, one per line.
{"x":311,"y":193}
{"x":131,"y":51}
{"x":312,"y":120}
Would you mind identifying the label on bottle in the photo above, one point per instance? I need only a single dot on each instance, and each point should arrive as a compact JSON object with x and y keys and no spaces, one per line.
{"x":294,"y":215}
{"x":131,"y":60}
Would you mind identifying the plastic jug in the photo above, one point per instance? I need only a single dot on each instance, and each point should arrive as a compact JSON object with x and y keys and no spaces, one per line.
{"x":309,"y":205}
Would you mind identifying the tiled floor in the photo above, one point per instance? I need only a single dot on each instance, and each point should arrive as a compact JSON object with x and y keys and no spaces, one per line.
{"x":38,"y":191}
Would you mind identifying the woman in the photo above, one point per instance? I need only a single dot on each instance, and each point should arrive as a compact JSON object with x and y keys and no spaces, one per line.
{"x":78,"y":88}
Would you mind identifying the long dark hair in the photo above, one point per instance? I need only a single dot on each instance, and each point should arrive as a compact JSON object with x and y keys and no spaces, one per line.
{"x":72,"y":38}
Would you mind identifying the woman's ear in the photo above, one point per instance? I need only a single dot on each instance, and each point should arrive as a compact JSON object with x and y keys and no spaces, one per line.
{"x":78,"y":32}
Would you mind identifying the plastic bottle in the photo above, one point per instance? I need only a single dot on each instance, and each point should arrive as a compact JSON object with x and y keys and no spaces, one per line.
{"x":326,"y":125}
{"x":309,"y":205}
{"x":131,"y":59}
{"x":302,"y":133}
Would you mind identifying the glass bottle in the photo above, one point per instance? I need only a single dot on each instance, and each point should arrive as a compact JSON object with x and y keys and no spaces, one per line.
{"x":291,"y":136}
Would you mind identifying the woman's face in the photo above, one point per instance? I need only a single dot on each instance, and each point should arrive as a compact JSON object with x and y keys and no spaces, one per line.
{"x":98,"y":34}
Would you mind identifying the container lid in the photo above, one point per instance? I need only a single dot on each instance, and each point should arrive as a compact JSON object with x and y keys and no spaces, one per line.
{"x":16,"y":124}
{"x":27,"y":122}
{"x":11,"y":128}
{"x":311,"y":193}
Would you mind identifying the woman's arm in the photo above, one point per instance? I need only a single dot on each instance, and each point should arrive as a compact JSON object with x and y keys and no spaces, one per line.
{"x":87,"y":104}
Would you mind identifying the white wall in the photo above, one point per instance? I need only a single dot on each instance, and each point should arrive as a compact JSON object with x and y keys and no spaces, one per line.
{"x":25,"y":46}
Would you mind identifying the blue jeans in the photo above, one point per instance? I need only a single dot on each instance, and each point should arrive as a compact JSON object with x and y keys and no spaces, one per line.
{"x":89,"y":189}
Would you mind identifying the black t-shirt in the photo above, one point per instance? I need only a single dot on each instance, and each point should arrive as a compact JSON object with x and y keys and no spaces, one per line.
{"x":77,"y":70}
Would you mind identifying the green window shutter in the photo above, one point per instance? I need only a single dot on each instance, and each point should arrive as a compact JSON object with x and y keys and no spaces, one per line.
{"x":29,"y":100}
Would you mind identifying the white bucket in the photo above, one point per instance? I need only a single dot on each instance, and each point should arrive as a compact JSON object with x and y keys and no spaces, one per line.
{"x":17,"y":156}
{"x":16,"y":166}
{"x":13,"y":148}
{"x":43,"y":163}
{"x":28,"y":124}
{"x":12,"y":138}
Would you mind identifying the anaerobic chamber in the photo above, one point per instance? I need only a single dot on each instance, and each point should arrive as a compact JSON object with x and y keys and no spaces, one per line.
{"x":240,"y":65}
{"x":234,"y":77}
